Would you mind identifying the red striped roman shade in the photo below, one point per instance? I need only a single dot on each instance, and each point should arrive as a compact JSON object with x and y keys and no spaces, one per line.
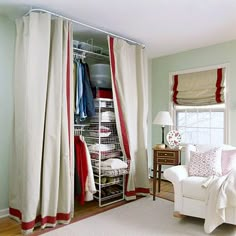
{"x":199,"y":88}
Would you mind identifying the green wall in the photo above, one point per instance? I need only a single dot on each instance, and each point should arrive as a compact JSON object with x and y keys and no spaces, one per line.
{"x":7,"y":44}
{"x":197,"y":58}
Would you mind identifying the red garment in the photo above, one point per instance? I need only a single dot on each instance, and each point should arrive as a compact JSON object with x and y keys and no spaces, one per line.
{"x":81,"y":167}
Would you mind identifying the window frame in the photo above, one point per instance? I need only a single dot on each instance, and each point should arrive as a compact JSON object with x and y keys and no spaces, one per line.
{"x":226,"y":109}
{"x":197,"y":110}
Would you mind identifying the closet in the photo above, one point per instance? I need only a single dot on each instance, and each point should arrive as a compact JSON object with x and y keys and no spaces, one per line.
{"x":98,"y":129}
{"x":45,"y":95}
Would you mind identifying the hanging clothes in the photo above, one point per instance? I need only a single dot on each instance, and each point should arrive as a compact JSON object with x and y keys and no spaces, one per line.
{"x":84,"y":104}
{"x":81,"y":168}
{"x":79,"y":92}
{"x":84,"y":178}
{"x":90,"y":187}
{"x":90,"y":108}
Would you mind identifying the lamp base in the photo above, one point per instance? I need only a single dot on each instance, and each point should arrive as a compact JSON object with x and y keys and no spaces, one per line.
{"x":160,"y":146}
{"x":162,"y":134}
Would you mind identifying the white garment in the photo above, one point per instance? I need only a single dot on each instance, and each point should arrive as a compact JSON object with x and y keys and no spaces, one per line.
{"x":108,"y":116}
{"x":102,"y":147}
{"x":102,"y":132}
{"x":221,"y":194}
{"x":112,"y":164}
{"x":90,"y":187}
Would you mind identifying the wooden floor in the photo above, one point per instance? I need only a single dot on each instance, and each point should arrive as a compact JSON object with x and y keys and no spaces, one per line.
{"x":10,"y":227}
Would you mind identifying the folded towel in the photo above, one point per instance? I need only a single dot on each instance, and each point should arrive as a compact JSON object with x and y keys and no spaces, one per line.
{"x":108,"y":116}
{"x":113,"y":164}
{"x":102,"y":147}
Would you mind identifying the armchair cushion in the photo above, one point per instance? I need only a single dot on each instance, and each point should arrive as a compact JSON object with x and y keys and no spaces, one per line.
{"x":188,"y":149}
{"x":199,"y":148}
{"x":205,"y":163}
{"x":228,"y":161}
{"x":227,"y":156}
{"x":192,"y":188}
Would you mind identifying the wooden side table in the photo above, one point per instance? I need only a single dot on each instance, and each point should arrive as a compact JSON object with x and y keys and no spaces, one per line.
{"x":161,"y":157}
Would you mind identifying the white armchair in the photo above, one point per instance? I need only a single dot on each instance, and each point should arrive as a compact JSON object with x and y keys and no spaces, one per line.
{"x":189,"y":195}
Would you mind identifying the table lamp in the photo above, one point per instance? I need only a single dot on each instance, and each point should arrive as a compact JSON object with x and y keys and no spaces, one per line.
{"x":163,"y":118}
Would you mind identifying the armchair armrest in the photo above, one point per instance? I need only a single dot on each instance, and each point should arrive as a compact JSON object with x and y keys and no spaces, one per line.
{"x":176,"y":173}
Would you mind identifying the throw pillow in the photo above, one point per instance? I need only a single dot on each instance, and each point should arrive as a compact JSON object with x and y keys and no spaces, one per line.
{"x":205,"y":147}
{"x":205,"y":164}
{"x":228,"y":161}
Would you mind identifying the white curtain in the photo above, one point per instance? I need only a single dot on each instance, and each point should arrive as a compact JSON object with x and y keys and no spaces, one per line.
{"x":129,"y":85}
{"x":41,"y":169}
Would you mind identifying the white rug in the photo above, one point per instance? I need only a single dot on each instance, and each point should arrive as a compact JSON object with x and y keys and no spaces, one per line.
{"x":143,"y":217}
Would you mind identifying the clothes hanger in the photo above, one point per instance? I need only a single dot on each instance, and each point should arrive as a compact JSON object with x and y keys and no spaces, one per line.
{"x":83,"y":56}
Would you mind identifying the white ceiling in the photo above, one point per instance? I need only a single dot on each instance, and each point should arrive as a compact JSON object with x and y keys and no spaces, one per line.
{"x":164,"y":26}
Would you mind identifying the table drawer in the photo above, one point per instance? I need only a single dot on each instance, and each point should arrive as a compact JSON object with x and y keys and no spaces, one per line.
{"x":167,"y":161}
{"x":166,"y":155}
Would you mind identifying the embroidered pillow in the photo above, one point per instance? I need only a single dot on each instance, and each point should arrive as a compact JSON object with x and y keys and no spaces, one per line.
{"x":205,"y":164}
{"x":228,"y":161}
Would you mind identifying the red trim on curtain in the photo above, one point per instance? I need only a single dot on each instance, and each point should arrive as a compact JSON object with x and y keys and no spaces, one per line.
{"x":121,"y":117}
{"x":137,"y":190}
{"x":218,"y":86}
{"x":68,"y":86}
{"x":175,"y":92}
{"x":45,"y":220}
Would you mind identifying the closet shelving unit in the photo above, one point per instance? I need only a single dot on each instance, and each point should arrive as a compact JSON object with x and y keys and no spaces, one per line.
{"x":102,"y":140}
{"x":103,"y":143}
{"x":79,"y":128}
{"x":95,"y":55}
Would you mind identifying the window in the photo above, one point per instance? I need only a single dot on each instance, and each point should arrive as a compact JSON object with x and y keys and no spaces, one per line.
{"x":198,"y":105}
{"x":201,"y":125}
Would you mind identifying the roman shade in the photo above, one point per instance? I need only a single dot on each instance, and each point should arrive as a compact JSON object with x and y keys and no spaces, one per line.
{"x":199,"y":88}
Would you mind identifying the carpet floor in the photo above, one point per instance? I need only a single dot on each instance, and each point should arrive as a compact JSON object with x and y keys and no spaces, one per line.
{"x":143,"y":217}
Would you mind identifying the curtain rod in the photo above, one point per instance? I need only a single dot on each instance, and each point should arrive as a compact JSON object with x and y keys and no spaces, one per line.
{"x":86,"y":25}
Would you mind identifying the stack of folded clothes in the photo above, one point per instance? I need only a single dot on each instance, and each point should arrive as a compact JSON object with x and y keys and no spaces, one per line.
{"x":112,"y":164}
{"x":106,"y":154}
{"x":112,"y":167}
{"x":101,"y":147}
{"x":108,"y":180}
{"x":111,"y":190}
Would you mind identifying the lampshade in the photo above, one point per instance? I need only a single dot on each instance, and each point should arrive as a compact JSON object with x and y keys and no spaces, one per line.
{"x":163,"y":118}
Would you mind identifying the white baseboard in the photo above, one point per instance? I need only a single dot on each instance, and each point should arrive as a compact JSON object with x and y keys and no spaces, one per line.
{"x":4,"y":213}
